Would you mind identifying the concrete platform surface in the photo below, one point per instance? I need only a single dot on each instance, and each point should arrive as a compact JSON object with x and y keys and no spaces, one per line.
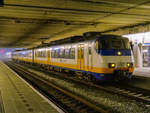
{"x":16,"y":96}
{"x":143,"y":72}
{"x":142,"y":78}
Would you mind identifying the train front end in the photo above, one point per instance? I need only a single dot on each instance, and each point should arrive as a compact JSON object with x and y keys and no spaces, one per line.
{"x":116,"y":57}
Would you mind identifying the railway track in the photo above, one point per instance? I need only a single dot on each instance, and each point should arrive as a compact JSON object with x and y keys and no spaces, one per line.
{"x":69,"y":102}
{"x":131,"y":92}
{"x":125,"y":90}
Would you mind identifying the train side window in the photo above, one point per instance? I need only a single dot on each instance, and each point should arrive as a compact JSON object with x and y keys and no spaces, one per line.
{"x":72,"y":53}
{"x":90,"y":51}
{"x":67,"y":53}
{"x":61,"y":53}
{"x":35,"y":53}
{"x":38,"y":54}
{"x":52,"y":53}
{"x":29,"y":54}
{"x":25,"y":55}
{"x":58,"y":53}
{"x":55,"y":54}
{"x":43,"y":54}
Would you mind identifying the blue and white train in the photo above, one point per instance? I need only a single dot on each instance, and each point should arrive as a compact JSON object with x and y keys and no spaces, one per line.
{"x":92,"y":56}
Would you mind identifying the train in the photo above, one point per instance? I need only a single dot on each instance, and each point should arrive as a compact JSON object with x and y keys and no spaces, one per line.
{"x":93,"y":56}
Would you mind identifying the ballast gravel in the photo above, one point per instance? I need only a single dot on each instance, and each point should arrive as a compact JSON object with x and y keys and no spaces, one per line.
{"x":111,"y":102}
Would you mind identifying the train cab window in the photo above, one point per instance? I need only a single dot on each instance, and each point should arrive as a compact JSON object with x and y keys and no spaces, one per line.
{"x":105,"y":44}
{"x":72,"y":53}
{"x":112,"y":43}
{"x":117,"y":44}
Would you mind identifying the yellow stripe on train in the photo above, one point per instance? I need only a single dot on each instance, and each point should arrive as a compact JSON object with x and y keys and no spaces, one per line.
{"x":85,"y":68}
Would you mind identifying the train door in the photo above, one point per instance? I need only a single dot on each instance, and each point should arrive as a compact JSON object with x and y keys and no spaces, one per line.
{"x":32,"y":55}
{"x":49,"y":55}
{"x":81,"y":56}
{"x":89,"y":55}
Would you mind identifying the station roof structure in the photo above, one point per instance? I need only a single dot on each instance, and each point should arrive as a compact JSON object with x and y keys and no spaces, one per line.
{"x":27,"y":23}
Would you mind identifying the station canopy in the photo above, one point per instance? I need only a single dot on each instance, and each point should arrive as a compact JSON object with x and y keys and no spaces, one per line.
{"x":27,"y":23}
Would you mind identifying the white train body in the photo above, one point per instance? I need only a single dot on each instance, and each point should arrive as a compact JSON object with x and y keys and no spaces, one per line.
{"x":96,"y":57}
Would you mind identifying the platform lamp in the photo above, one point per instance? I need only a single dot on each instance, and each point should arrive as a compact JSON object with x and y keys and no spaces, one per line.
{"x":1,"y":3}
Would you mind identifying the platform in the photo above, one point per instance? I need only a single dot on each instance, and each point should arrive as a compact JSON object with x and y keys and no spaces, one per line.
{"x":17,"y":96}
{"x":142,"y":78}
{"x":143,"y":72}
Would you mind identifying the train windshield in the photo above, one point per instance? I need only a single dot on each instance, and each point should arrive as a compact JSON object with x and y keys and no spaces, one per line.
{"x":114,"y":43}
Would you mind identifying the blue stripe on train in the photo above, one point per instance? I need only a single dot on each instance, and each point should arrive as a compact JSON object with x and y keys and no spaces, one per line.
{"x":113,"y":52}
{"x":98,"y":76}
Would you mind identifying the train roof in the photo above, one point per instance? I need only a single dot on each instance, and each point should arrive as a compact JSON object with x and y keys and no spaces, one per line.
{"x":75,"y":39}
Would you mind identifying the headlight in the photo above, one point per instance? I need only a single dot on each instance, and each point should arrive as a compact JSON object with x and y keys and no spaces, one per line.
{"x":111,"y":65}
{"x":119,"y":53}
{"x":129,"y":64}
